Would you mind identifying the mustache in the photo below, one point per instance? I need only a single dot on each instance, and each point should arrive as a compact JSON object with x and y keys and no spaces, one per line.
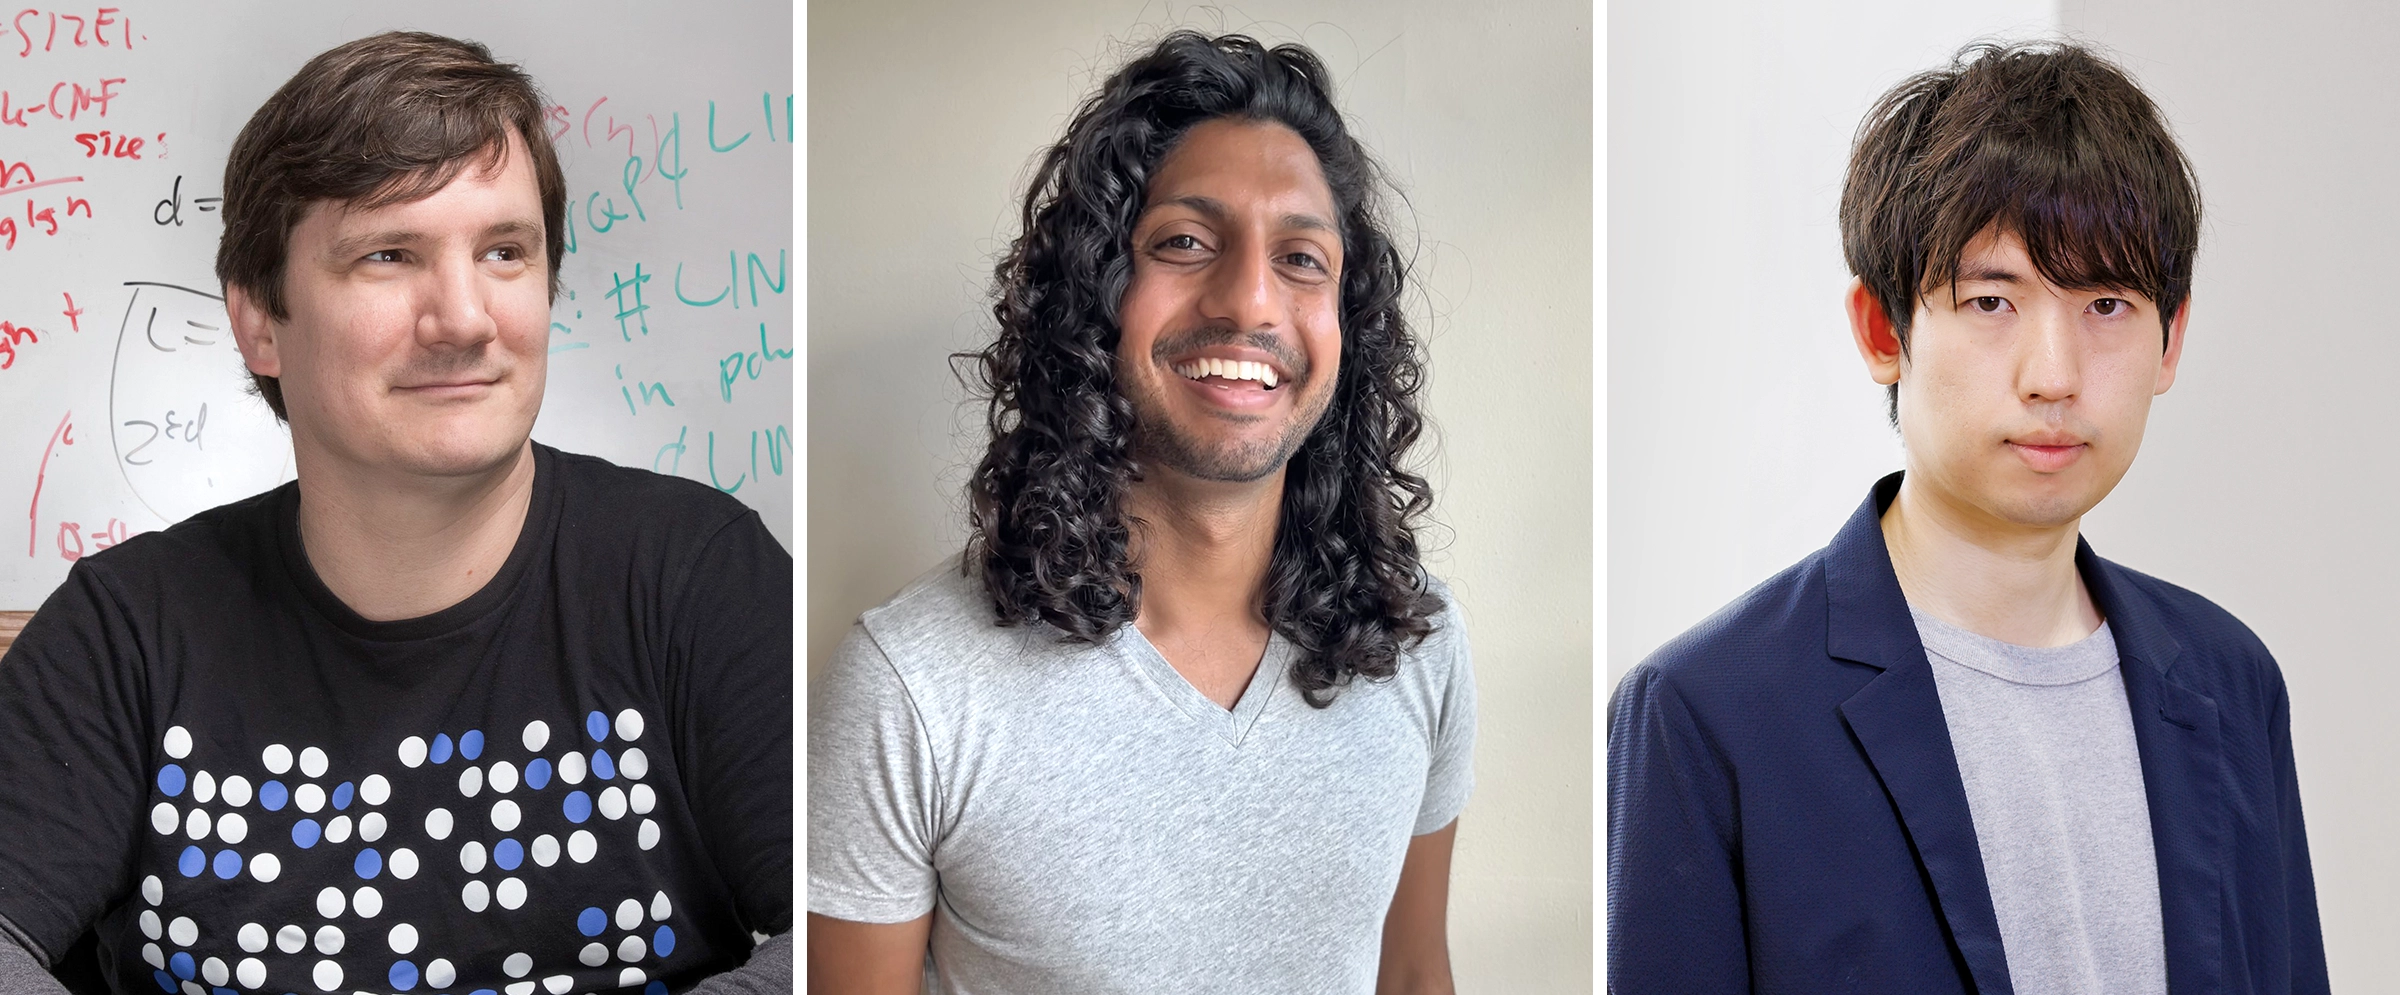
{"x":1290,"y":359}
{"x":440,"y":367}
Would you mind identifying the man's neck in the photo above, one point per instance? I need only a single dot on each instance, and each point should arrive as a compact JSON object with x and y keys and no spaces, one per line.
{"x":396,"y":546}
{"x":1203,"y":548}
{"x":2005,"y":581}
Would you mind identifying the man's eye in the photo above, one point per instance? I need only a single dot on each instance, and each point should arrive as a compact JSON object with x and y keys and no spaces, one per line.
{"x":1304,"y":259}
{"x":2108,"y":305}
{"x":383,"y":256}
{"x":506,"y":253}
{"x":1989,"y":305}
{"x":1185,"y":243}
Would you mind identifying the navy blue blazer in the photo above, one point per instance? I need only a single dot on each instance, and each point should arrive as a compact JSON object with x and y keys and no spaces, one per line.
{"x":1785,"y":813}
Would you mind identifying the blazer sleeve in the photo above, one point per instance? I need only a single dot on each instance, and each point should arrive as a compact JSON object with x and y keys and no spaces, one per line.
{"x":1674,"y":891}
{"x":2306,"y":937}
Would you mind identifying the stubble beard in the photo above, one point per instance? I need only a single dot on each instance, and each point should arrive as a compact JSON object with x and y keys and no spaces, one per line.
{"x":1159,"y":441}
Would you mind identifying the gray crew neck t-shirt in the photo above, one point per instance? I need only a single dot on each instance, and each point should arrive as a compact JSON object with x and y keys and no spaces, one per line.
{"x":2054,"y":783}
{"x":1082,"y":820}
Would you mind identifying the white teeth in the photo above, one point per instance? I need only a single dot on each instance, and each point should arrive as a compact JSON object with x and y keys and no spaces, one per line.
{"x":1228,"y":369}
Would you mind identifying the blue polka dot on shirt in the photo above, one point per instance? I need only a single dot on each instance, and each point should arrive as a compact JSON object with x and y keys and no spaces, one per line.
{"x":592,"y":922}
{"x":273,"y":796}
{"x":229,"y":864}
{"x":663,"y":941}
{"x":508,"y":854}
{"x":404,"y":975}
{"x":342,"y":795}
{"x":596,"y":725}
{"x":578,"y":806}
{"x":192,"y":862}
{"x":470,"y":745}
{"x":537,"y":774}
{"x":183,"y":965}
{"x":440,"y":753}
{"x":306,"y":833}
{"x":170,"y":780}
{"x":602,"y":767}
{"x":369,"y":863}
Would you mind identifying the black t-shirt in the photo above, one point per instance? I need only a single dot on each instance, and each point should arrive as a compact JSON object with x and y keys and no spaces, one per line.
{"x":576,"y":780}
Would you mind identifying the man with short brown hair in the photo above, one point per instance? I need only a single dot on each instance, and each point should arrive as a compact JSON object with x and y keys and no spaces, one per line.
{"x":1956,"y":751}
{"x":452,"y":712}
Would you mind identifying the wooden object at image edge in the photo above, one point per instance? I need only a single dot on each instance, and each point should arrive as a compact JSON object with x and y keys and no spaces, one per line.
{"x":10,"y":624}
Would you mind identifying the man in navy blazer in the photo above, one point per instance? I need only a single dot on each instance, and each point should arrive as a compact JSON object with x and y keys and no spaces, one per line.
{"x":1956,"y":751}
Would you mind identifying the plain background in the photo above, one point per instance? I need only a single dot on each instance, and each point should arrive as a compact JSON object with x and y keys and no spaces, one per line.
{"x":1743,"y":428}
{"x":924,"y":119}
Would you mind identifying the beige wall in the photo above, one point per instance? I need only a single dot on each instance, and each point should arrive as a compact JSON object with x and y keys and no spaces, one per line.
{"x":923,"y":119}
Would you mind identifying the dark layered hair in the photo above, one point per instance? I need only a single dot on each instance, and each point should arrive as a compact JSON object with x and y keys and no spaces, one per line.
{"x":379,"y":121}
{"x":2043,"y":140}
{"x":1047,"y":529}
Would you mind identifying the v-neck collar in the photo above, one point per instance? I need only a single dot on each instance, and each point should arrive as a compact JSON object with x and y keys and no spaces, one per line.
{"x":1231,"y":725}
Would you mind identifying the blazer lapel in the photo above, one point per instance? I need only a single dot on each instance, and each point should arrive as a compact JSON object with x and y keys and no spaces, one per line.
{"x":1897,"y":719}
{"x":2176,"y":731}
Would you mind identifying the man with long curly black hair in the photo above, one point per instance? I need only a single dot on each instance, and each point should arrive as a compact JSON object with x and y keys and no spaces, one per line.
{"x":1189,"y":715}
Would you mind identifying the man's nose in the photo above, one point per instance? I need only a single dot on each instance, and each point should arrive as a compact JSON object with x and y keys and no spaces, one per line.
{"x":455,"y":309}
{"x":2050,"y":364}
{"x":1244,"y":291}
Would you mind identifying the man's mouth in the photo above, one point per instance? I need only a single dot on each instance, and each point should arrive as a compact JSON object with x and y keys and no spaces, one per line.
{"x":1227,"y":370}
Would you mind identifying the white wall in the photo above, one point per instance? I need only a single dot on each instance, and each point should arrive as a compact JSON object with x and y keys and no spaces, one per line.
{"x":924,"y":119}
{"x":1743,"y":428}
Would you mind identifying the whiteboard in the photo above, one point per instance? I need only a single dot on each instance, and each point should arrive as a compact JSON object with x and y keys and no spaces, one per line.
{"x":123,"y":401}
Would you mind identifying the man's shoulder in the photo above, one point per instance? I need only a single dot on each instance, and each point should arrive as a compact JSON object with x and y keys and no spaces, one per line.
{"x":1767,"y":631}
{"x":943,"y":616}
{"x":606,"y":491}
{"x":2210,"y":644}
{"x":207,"y":549}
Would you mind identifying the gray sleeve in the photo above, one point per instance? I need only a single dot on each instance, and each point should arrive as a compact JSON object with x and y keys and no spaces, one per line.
{"x":872,"y":792}
{"x":1450,"y":777}
{"x":768,"y":972}
{"x":21,"y":970}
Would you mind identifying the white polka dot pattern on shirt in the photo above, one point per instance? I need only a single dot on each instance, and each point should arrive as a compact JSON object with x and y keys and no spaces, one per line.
{"x":178,"y":742}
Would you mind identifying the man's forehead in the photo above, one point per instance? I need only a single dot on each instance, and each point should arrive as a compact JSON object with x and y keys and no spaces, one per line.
{"x":1227,"y":156}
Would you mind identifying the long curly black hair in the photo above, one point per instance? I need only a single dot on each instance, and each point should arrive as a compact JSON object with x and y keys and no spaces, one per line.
{"x":1047,"y":529}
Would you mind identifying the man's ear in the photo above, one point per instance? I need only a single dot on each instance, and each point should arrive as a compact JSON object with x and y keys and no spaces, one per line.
{"x":1871,"y":330}
{"x":2174,"y":353}
{"x":253,"y":331}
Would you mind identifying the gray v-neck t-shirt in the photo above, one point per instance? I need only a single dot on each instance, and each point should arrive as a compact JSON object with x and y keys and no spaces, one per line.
{"x":2054,"y":783}
{"x":1082,"y":819}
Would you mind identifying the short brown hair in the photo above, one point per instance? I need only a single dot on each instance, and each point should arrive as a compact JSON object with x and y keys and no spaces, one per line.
{"x":2043,"y":140}
{"x":378,"y":121}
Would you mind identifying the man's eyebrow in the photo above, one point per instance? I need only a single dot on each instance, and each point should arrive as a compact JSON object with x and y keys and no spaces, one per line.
{"x":1215,"y":210}
{"x":344,"y":248}
{"x":347,"y":247}
{"x":1991,"y":274}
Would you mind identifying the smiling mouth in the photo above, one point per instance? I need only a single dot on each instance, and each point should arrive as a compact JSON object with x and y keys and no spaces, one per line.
{"x":1227,"y":369}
